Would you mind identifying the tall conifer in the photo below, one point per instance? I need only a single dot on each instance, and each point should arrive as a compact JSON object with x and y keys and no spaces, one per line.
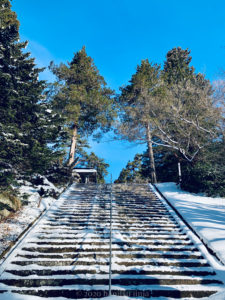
{"x":25,"y":124}
{"x":83,"y":98}
{"x":139,"y":102}
{"x":191,"y":116}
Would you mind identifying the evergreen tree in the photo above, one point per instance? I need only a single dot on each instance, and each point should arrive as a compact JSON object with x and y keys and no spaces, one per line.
{"x":190,"y":118}
{"x":219,"y":97}
{"x":122,"y":176}
{"x":26,"y":127}
{"x":207,"y":173}
{"x":166,"y":163}
{"x":83,"y":99}
{"x":93,"y":161}
{"x":140,"y":104}
{"x":132,"y":172}
{"x":177,"y":66}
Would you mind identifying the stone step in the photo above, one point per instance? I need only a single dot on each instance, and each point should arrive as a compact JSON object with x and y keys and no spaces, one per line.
{"x":68,"y":254}
{"x":102,"y":243}
{"x":104,"y":248}
{"x":72,"y":230}
{"x":149,"y":235}
{"x":115,"y":226}
{"x":91,"y":293}
{"x":150,"y":222}
{"x":117,"y":220}
{"x":106,"y":255}
{"x":121,"y":263}
{"x":115,"y":281}
{"x":51,"y":272}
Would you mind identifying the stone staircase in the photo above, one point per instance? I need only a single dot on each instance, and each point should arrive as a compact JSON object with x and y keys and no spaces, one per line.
{"x":67,"y":253}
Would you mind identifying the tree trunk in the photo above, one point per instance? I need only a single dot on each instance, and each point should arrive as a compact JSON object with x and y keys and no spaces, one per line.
{"x":150,"y":154}
{"x":73,"y":146}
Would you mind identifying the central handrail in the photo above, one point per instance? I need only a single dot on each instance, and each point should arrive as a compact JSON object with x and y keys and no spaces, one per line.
{"x":110,"y":242}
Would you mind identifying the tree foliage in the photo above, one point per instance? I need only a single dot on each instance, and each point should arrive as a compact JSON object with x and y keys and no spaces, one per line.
{"x":83,"y":98}
{"x":177,"y":66}
{"x":132,"y":173}
{"x":174,"y":110}
{"x":139,"y":104}
{"x":186,"y":119}
{"x":191,"y":118}
{"x":26,"y":126}
{"x":207,"y":173}
{"x":138,"y":170}
{"x":93,"y":161}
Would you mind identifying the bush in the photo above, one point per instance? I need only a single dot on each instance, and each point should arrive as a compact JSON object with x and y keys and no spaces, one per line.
{"x":7,"y":175}
{"x":207,"y":175}
{"x":59,"y":174}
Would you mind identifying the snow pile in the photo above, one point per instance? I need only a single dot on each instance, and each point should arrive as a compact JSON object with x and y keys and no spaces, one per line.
{"x":205,"y":215}
{"x":12,"y":296}
{"x":33,"y":205}
{"x":217,"y":296}
{"x":41,"y":185}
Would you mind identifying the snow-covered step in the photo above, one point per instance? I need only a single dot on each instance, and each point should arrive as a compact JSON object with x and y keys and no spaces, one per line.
{"x":157,"y":271}
{"x":129,"y":281}
{"x":67,"y":254}
{"x":90,"y":292}
{"x":119,"y":255}
{"x":96,"y":241}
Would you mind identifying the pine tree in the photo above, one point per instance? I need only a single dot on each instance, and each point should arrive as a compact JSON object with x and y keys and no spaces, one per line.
{"x":83,"y":98}
{"x":140,"y":104}
{"x":10,"y":144}
{"x":26,"y":127}
{"x":207,"y":173}
{"x":132,"y":173}
{"x":93,"y":161}
{"x":122,"y":176}
{"x":177,"y":66}
{"x":190,"y":117}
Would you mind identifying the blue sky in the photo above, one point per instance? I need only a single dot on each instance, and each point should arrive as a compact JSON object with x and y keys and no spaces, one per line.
{"x":118,"y":34}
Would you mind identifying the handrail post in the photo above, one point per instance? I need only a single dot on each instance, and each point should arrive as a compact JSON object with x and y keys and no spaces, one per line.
{"x":110,"y":242}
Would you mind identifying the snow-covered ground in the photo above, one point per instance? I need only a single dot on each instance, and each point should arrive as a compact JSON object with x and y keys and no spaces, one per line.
{"x":14,"y":226}
{"x":205,"y":215}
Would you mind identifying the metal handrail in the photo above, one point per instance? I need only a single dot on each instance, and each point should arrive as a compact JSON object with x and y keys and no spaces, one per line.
{"x":110,"y":242}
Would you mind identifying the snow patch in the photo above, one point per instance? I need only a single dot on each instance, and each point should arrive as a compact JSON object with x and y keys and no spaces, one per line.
{"x":206,"y":215}
{"x":11,"y":228}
